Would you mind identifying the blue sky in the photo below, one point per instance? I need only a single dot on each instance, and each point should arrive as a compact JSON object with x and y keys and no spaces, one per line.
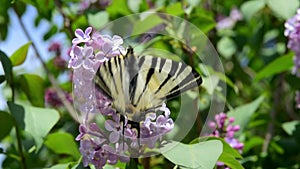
{"x":16,"y":38}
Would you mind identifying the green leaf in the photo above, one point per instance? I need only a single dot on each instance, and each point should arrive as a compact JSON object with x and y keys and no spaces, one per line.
{"x":203,"y":20}
{"x":230,"y":161}
{"x":290,"y":127}
{"x":18,"y":112}
{"x":226,"y":147}
{"x":293,"y":81}
{"x":134,"y":5}
{"x":228,"y":155}
{"x":118,"y":8}
{"x":146,"y":24}
{"x":6,"y":124}
{"x":36,"y":121}
{"x":198,"y":156}
{"x":79,"y":22}
{"x":175,"y":9}
{"x":59,"y":166}
{"x":132,"y":164}
{"x":53,"y":30}
{"x":253,"y":142}
{"x":283,"y":9}
{"x":2,"y":78}
{"x":39,"y":122}
{"x":226,"y":47}
{"x":98,"y":20}
{"x":279,"y":65}
{"x":19,"y":56}
{"x":243,"y":113}
{"x":7,"y":67}
{"x":62,"y":143}
{"x":211,"y":83}
{"x":250,"y":8}
{"x":34,"y":88}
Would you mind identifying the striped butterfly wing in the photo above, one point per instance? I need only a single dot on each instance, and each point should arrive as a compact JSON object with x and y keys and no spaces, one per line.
{"x":137,"y":84}
{"x":162,"y":79}
{"x":112,"y":79}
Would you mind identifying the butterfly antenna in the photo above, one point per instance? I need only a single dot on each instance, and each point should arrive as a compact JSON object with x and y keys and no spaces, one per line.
{"x":145,"y":39}
{"x":148,"y":37}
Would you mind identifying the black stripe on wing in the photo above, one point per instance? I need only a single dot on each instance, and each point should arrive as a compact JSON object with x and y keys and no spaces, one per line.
{"x":105,"y":78}
{"x":108,"y":65}
{"x":190,"y":78}
{"x":132,"y":69}
{"x":191,"y":81}
{"x":101,"y":84}
{"x":150,"y":72}
{"x":171,"y":73}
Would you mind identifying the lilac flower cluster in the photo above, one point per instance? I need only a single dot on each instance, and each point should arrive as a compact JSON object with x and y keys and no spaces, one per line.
{"x":229,"y":22}
{"x":115,"y":141}
{"x":292,"y":31}
{"x":52,"y":99}
{"x":297,"y":99}
{"x":58,"y":61}
{"x":86,"y":4}
{"x":222,"y":127}
{"x":51,"y":96}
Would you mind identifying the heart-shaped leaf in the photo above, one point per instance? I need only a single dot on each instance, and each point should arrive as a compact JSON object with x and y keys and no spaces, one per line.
{"x":36,"y":121}
{"x":194,"y":155}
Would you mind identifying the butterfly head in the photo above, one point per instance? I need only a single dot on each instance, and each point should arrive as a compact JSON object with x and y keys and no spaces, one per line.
{"x":129,"y":50}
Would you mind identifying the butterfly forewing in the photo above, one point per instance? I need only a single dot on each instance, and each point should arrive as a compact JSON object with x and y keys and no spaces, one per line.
{"x":170,"y":78}
{"x":111,"y":80}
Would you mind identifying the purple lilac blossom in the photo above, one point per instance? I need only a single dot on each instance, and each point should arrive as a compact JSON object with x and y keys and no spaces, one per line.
{"x":116,"y":141}
{"x":222,"y":127}
{"x":292,"y":31}
{"x":85,"y":4}
{"x":59,"y":62}
{"x":297,"y":99}
{"x":229,"y":22}
{"x":54,"y":47}
{"x":52,"y":99}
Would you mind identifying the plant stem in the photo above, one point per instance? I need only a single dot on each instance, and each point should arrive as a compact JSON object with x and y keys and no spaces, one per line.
{"x":19,"y":143}
{"x":51,"y":77}
{"x":67,"y":21}
{"x":276,"y":100}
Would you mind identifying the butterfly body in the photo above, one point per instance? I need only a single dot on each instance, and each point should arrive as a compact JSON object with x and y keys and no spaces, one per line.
{"x":140,"y":84}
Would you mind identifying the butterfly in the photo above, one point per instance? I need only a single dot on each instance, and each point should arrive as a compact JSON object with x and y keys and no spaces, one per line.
{"x":140,"y":84}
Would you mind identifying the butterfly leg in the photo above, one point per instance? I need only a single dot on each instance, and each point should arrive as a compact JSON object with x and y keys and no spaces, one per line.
{"x":136,"y":125}
{"x":122,"y":120}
